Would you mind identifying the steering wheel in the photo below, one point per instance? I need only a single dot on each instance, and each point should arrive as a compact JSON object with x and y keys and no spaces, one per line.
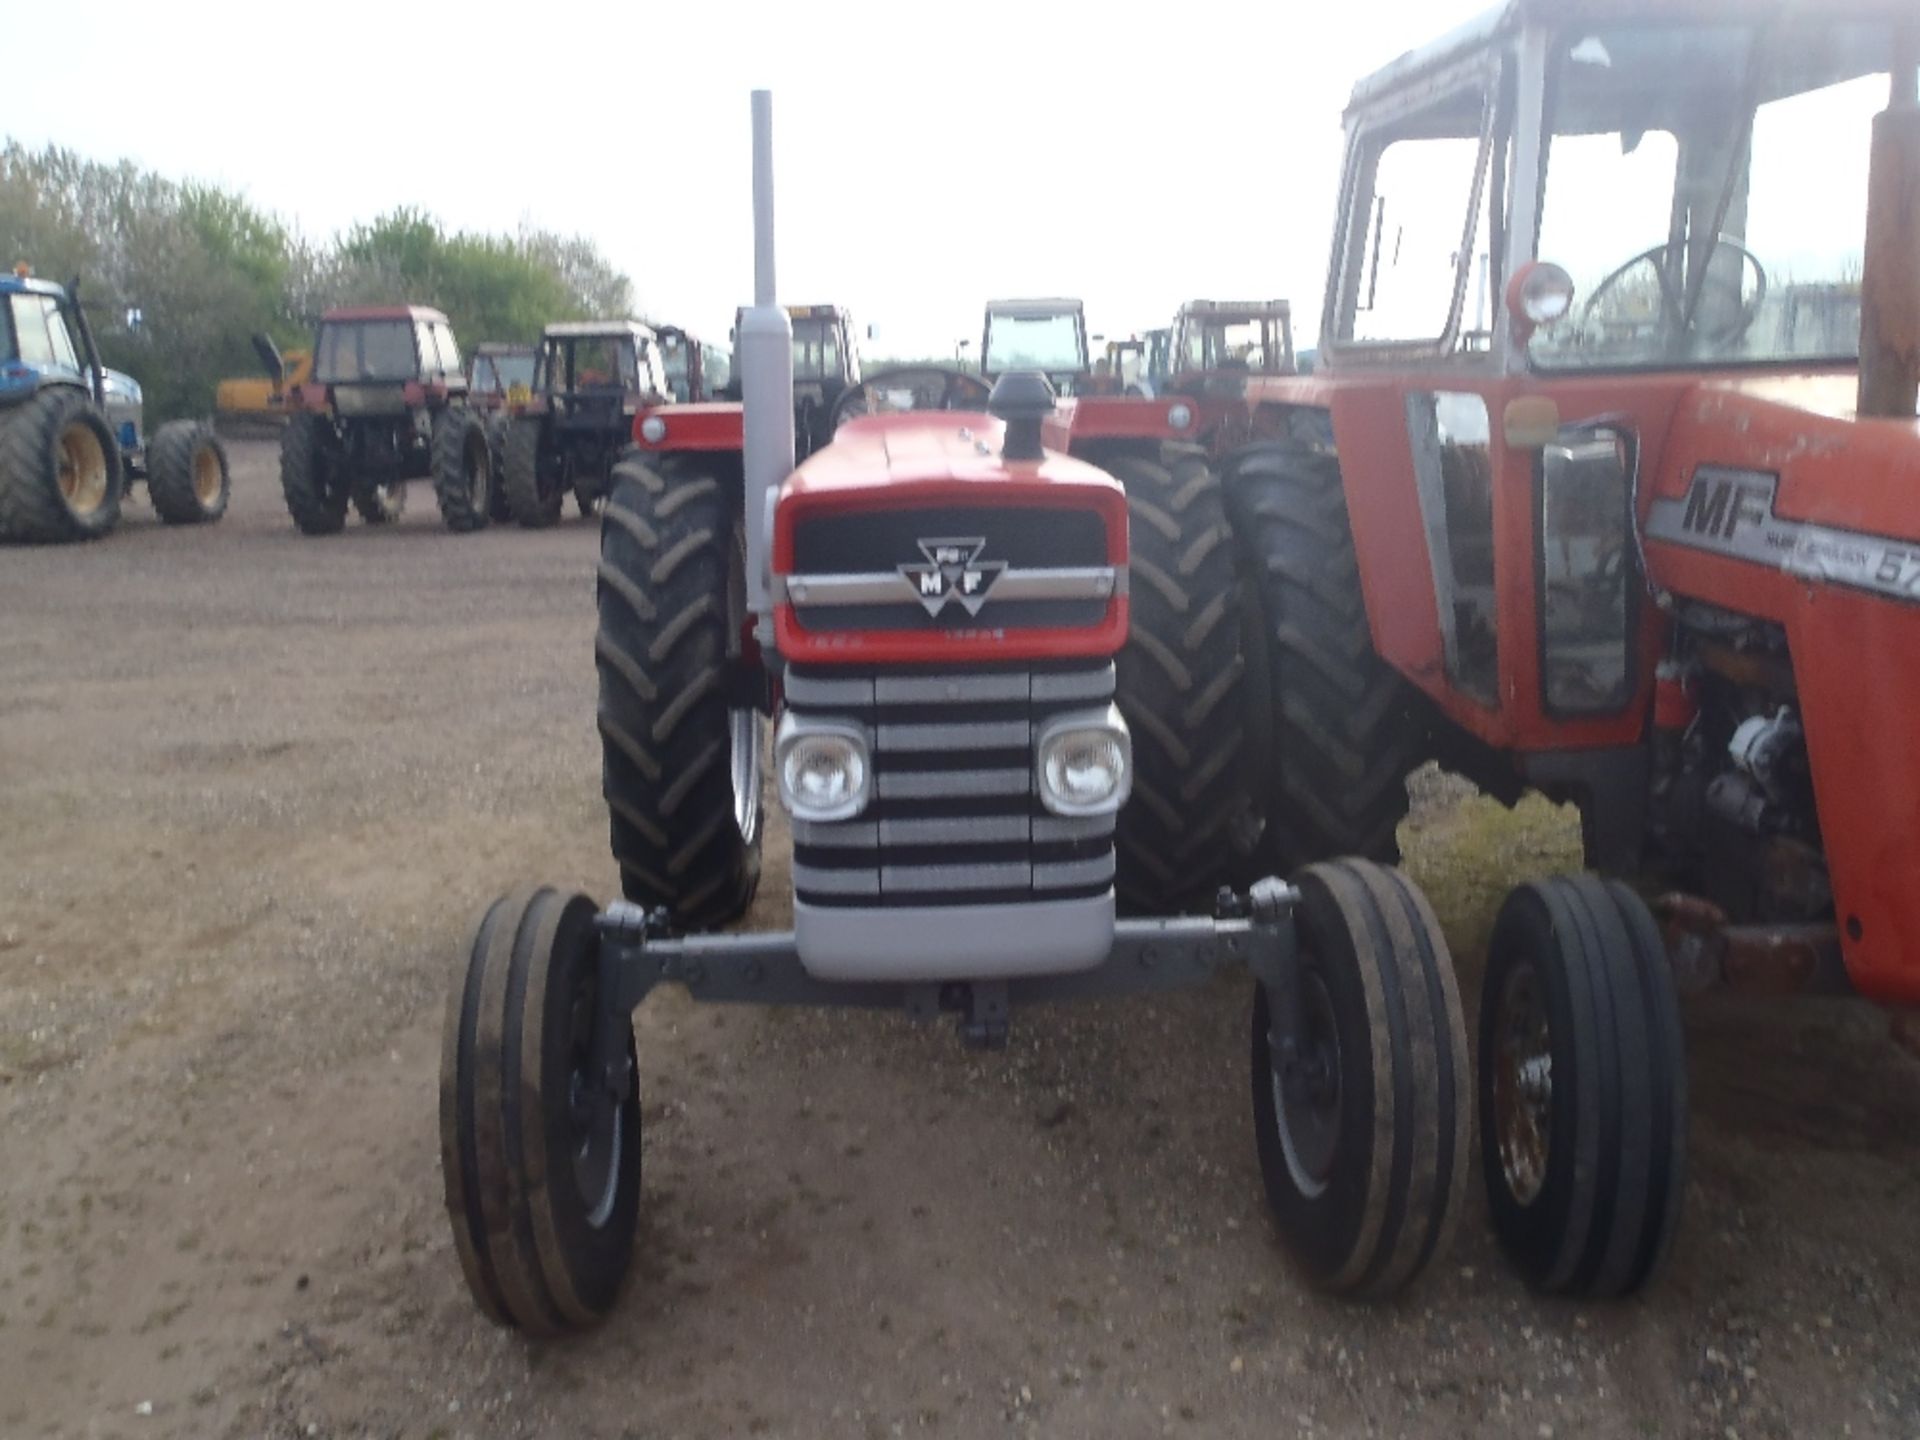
{"x":957,"y":391}
{"x":1672,"y":304}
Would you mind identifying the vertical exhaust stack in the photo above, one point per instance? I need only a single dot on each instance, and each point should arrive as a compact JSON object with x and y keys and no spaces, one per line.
{"x":765,"y":357}
{"x":1890,"y":280}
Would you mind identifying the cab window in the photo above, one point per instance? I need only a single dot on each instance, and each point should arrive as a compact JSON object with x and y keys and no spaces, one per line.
{"x":30,"y":330}
{"x":1422,"y":229}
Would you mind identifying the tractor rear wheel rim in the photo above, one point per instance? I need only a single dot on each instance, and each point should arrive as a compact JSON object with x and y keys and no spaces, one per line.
{"x":1307,"y":1089}
{"x":745,"y":728}
{"x":82,"y":462}
{"x":1523,"y":1085}
{"x":596,"y":1128}
{"x":206,"y":475}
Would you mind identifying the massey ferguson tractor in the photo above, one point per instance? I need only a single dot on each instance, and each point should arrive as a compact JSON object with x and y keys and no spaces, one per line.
{"x":1608,"y":483}
{"x":387,"y":403}
{"x":926,"y":615}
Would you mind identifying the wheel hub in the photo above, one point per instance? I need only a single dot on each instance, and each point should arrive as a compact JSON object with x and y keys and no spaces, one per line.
{"x":1523,"y":1086}
{"x":82,"y":464}
{"x":206,"y":475}
{"x":1307,"y":1089}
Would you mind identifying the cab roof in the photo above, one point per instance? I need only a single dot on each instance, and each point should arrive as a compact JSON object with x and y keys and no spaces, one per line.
{"x":503,"y":347}
{"x":597,"y":329}
{"x":12,"y":284}
{"x":1238,"y":307}
{"x":1035,"y":309}
{"x":350,"y":313}
{"x":1497,"y":23}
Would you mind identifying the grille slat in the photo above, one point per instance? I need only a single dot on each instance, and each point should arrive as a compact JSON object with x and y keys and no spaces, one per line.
{"x":955,"y":818}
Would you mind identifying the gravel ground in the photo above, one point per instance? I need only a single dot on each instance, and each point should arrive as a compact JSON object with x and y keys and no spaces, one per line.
{"x":253,"y":788}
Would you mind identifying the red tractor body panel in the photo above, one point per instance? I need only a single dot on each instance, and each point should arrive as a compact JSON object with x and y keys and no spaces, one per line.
{"x":920,"y":461}
{"x":707,"y":426}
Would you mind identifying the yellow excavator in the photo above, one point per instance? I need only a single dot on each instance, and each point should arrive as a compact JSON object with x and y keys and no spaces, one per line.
{"x":256,"y":404}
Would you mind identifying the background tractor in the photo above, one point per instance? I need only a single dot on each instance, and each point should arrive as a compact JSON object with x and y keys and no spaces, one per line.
{"x":594,"y":377}
{"x":387,"y":404}
{"x":695,"y":370}
{"x":72,"y":435}
{"x":1607,"y":482}
{"x":926,"y":613}
{"x":500,"y":375}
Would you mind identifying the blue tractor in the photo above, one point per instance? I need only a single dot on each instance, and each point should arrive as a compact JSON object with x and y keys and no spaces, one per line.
{"x":71,"y":437}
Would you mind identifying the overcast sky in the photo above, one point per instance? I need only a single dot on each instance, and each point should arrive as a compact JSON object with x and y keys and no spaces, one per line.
{"x":927,"y":157}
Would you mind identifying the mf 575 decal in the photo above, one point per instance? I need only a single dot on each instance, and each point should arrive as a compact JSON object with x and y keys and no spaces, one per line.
{"x":1730,"y":512}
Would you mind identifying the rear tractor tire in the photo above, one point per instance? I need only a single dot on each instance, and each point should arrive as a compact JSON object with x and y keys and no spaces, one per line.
{"x":534,"y":499}
{"x":312,"y":475}
{"x":497,"y":509}
{"x":187,"y":475}
{"x":60,"y":470}
{"x":1361,"y":1114}
{"x":1342,"y":729}
{"x":681,"y":753}
{"x":540,"y":1156}
{"x":463,"y":478}
{"x":1583,"y":1088}
{"x":1189,"y":827}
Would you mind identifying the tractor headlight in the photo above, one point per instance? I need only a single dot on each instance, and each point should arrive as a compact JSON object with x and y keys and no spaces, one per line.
{"x":1179,"y":416}
{"x":1085,"y":763}
{"x":653,"y":429}
{"x":825,"y":770}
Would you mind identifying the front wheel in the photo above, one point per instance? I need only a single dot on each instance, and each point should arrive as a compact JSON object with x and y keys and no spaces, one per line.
{"x":1360,"y":1084}
{"x":1583,"y":1088}
{"x":539,"y":1154}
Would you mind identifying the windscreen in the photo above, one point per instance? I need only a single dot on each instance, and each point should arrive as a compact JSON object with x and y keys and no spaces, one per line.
{"x":1706,"y":187}
{"x":1054,"y":343}
{"x":816,"y":349}
{"x":366,"y":351}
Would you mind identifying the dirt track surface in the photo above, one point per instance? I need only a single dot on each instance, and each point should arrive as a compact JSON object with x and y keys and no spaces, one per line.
{"x":253,"y":790}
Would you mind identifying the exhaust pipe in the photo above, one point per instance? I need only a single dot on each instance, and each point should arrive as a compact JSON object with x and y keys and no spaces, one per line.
{"x":764,"y":353}
{"x":1890,"y":279}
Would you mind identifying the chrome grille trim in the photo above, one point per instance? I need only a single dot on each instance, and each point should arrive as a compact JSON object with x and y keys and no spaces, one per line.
{"x":808,"y":879}
{"x":1055,"y":829}
{"x":952,"y":784}
{"x":1074,"y":685}
{"x":984,"y":735}
{"x":1062,"y":874}
{"x":837,"y":835}
{"x":950,"y":689}
{"x":922,"y":878}
{"x":956,"y":830}
{"x":893,"y":587}
{"x":808,"y":690}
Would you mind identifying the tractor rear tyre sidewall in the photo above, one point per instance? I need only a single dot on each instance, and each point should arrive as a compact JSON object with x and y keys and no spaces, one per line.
{"x":1371,"y":1196}
{"x":1186,"y":830}
{"x":534,"y":499}
{"x":188,"y":478}
{"x":1341,"y":730}
{"x":680,"y":751}
{"x":498,"y":511}
{"x":311,"y":475}
{"x":61,"y":475}
{"x":543,"y":1193}
{"x":1598,"y":1217}
{"x":463,"y":478}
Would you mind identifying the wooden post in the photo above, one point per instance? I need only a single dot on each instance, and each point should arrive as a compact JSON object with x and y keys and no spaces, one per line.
{"x":1890,"y":278}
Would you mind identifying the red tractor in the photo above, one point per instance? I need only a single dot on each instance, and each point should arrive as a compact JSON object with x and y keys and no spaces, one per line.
{"x":387,"y":403}
{"x":929,"y":614}
{"x":1608,"y":483}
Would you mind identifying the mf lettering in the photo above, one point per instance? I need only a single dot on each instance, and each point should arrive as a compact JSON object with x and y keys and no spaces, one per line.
{"x":1717,"y":508}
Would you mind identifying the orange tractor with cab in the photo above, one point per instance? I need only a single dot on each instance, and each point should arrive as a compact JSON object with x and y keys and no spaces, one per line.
{"x":1608,"y":483}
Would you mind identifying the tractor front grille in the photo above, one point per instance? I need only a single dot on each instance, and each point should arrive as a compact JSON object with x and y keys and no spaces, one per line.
{"x":955,"y":817}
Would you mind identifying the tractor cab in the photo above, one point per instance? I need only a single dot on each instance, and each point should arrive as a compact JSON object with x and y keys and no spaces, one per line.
{"x":1231,"y":341}
{"x":501,"y":374}
{"x":372,"y":359}
{"x":695,"y":371}
{"x":1049,"y":336}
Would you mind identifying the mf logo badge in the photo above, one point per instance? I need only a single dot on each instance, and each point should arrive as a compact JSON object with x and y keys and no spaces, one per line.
{"x":1731,"y":513}
{"x":953,"y":573}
